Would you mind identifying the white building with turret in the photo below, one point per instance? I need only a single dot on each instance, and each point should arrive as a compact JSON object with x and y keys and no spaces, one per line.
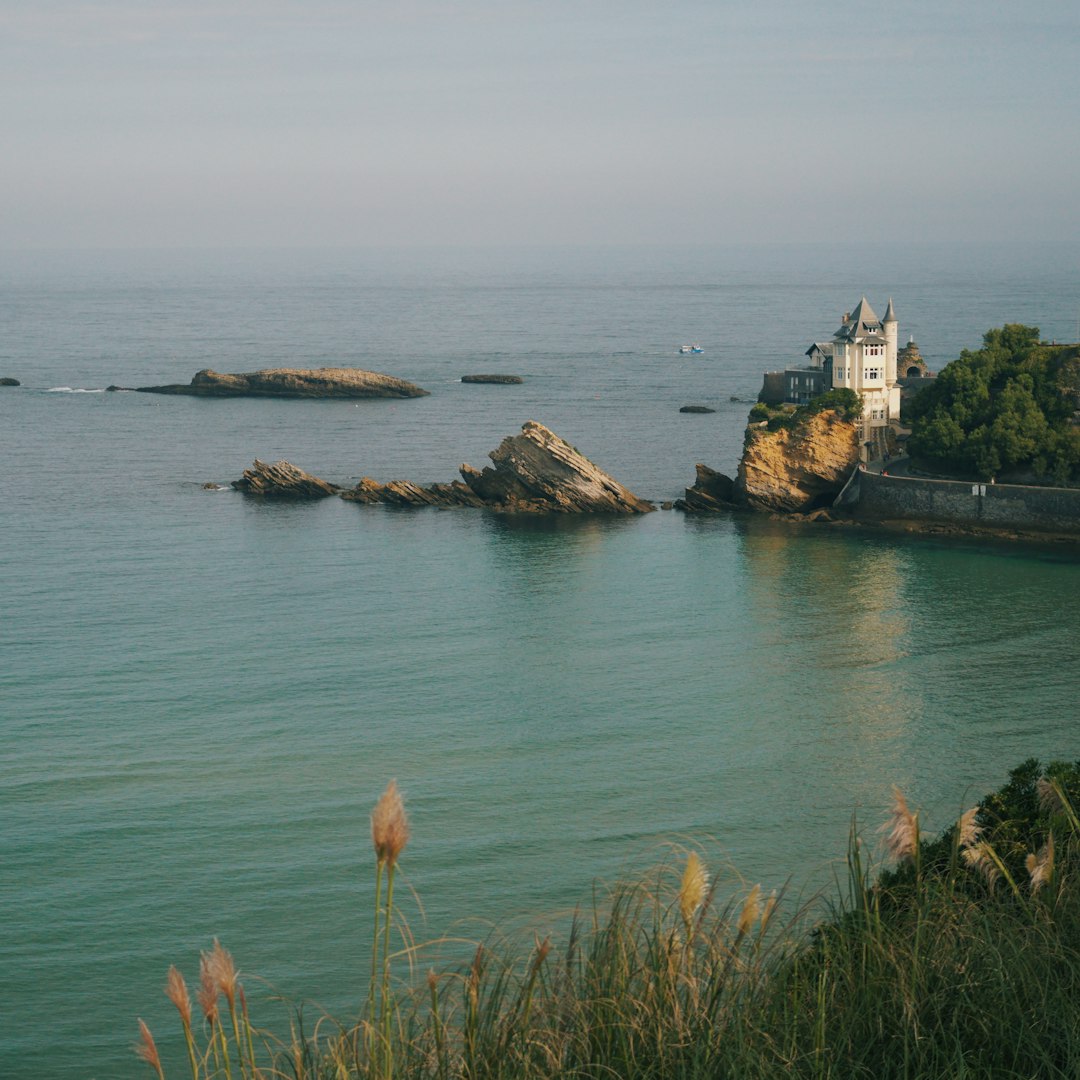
{"x":860,"y":357}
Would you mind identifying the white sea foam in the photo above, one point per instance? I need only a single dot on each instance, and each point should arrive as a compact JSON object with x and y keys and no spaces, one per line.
{"x":73,"y":390}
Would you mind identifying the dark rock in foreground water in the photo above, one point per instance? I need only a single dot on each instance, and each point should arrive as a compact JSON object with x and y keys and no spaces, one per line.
{"x":502,"y":379}
{"x":283,"y":481}
{"x":293,"y":383}
{"x":696,"y":409}
{"x":8,"y":381}
{"x":712,"y":490}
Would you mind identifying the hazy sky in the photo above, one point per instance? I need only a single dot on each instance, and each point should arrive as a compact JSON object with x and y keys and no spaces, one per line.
{"x":314,"y":122}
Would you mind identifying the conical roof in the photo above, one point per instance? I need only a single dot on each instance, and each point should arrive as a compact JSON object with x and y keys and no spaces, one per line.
{"x":862,"y":323}
{"x":890,"y":315}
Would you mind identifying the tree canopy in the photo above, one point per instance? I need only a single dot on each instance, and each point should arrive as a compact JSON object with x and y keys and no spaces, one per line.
{"x":1009,"y":407}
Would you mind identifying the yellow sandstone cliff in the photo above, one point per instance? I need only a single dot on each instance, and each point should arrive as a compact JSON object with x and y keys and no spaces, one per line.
{"x":796,"y":469}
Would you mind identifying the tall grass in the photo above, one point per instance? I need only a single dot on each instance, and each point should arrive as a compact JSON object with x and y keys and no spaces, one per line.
{"x":960,"y":959}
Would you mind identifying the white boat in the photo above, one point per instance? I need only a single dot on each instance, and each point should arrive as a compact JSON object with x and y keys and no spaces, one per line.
{"x":687,"y":349}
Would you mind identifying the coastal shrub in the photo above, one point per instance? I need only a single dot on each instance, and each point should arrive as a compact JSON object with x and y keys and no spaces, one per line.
{"x":760,"y":412}
{"x":841,"y":400}
{"x":1005,"y":408}
{"x":960,"y":958}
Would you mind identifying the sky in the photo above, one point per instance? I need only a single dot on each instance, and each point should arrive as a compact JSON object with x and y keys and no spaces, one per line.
{"x":279,"y":123}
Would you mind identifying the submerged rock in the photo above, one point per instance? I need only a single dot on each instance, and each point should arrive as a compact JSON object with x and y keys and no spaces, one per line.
{"x":501,"y":379}
{"x":8,"y":381}
{"x":293,"y":383}
{"x":283,"y":481}
{"x":799,"y":468}
{"x":696,"y":409}
{"x":534,"y":472}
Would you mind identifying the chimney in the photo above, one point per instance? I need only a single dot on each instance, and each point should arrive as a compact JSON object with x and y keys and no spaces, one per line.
{"x":847,"y":317}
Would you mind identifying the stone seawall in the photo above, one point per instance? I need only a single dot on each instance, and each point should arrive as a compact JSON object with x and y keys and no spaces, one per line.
{"x":1005,"y":506}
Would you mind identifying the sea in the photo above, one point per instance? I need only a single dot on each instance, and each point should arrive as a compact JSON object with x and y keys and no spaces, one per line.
{"x":202,"y":695}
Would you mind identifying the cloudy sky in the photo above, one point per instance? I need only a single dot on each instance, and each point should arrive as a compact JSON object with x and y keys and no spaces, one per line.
{"x":403,"y":122}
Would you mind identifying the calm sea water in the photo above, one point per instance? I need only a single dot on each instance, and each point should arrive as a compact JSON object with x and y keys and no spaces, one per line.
{"x":201,"y":696}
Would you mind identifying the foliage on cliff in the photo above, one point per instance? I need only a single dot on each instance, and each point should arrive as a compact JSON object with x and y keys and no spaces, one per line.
{"x":1008,"y":407}
{"x":845,"y":403}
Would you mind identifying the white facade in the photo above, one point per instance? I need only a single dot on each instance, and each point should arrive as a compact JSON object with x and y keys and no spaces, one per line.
{"x":863,"y":359}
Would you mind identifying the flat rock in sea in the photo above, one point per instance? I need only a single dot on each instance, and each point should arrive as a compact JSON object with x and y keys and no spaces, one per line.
{"x":534,"y":472}
{"x":506,"y":380}
{"x":283,"y":481}
{"x":696,"y":409}
{"x":293,"y":383}
{"x":8,"y":381}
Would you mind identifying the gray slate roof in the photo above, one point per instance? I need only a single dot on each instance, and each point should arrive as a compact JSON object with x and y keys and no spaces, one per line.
{"x":862,"y":324}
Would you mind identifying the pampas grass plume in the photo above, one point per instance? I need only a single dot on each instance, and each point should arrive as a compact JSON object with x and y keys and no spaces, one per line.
{"x":1040,"y":867}
{"x":208,"y":991}
{"x":177,"y":992}
{"x":146,"y":1048}
{"x":751,"y":911}
{"x":901,"y":830}
{"x":389,"y":825}
{"x":223,"y":972}
{"x":1048,"y":795}
{"x":693,"y":887}
{"x":968,"y":832}
{"x":979,"y":858}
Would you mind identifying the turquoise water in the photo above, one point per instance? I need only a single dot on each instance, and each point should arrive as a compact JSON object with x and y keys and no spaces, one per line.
{"x":202,"y":695}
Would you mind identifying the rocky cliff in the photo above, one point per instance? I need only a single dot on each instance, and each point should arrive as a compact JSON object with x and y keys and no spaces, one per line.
{"x":293,"y":383}
{"x":795,"y":469}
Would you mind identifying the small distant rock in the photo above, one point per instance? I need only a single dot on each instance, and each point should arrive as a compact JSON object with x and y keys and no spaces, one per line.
{"x":114,"y":388}
{"x":283,"y":481}
{"x":503,"y":379}
{"x":696,"y":409}
{"x":10,"y":382}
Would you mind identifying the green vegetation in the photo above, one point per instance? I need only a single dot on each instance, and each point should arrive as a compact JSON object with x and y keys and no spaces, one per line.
{"x":960,"y":961}
{"x":846,"y":403}
{"x":1007,"y":408}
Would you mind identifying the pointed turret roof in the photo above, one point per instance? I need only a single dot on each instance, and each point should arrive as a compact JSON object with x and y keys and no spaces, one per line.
{"x":890,"y":315}
{"x":861,"y":323}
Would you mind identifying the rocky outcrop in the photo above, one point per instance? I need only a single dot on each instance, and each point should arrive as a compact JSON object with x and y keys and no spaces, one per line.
{"x":537,"y":471}
{"x":534,"y":472}
{"x":711,"y":491}
{"x":405,"y":493}
{"x":293,"y":383}
{"x":8,"y":381}
{"x":797,"y":468}
{"x":696,"y":409}
{"x":505,"y":380}
{"x":283,"y":481}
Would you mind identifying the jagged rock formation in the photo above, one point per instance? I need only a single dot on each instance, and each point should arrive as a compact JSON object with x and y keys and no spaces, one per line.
{"x":711,"y":491}
{"x":506,"y":380}
{"x":537,"y":471}
{"x":799,"y":468}
{"x":534,"y":472}
{"x":8,"y":381}
{"x":283,"y":481}
{"x":293,"y":383}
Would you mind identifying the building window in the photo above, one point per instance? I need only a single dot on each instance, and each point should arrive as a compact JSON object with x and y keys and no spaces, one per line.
{"x":873,"y":373}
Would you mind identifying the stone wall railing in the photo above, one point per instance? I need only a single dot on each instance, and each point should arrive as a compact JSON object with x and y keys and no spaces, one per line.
{"x":1009,"y":506}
